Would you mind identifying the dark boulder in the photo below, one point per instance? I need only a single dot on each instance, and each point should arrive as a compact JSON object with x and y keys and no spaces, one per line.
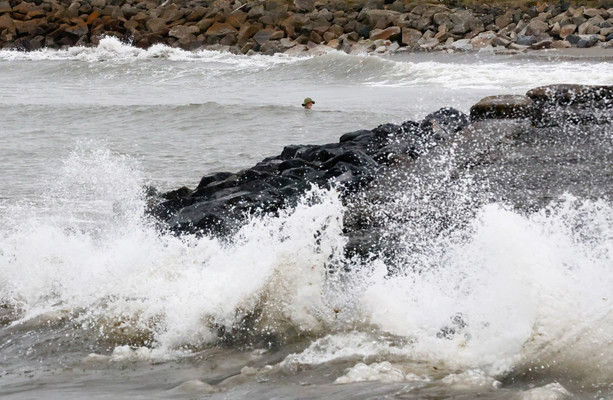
{"x":356,"y":158}
{"x":525,"y":40}
{"x":448,"y":118}
{"x":387,"y":132}
{"x":356,"y":136}
{"x":556,"y":105}
{"x":215,"y":177}
{"x":293,"y":163}
{"x":503,"y":106}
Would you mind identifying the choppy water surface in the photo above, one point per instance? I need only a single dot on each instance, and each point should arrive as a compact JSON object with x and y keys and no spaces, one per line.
{"x":96,"y":302}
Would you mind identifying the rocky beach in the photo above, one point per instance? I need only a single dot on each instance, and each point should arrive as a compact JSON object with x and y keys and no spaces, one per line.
{"x":306,"y":26}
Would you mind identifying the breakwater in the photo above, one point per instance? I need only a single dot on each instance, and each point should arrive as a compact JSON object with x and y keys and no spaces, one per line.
{"x":557,"y":128}
{"x":303,"y":26}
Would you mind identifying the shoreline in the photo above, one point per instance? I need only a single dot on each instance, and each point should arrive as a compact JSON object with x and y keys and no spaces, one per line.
{"x":307,"y":26}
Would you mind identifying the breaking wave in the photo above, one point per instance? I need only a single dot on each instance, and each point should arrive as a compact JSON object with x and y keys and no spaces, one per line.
{"x":510,"y":293}
{"x":459,"y":71}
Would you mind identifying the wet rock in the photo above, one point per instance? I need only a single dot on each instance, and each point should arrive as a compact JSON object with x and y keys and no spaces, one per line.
{"x":587,"y":41}
{"x":222,"y":200}
{"x":501,"y":107}
{"x":215,"y":177}
{"x":357,"y":162}
{"x":571,"y":104}
{"x":525,"y":40}
{"x":448,"y":118}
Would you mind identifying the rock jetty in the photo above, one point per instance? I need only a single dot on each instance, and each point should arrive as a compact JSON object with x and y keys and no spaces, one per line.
{"x":304,"y":26}
{"x":360,"y":160}
{"x":222,"y":200}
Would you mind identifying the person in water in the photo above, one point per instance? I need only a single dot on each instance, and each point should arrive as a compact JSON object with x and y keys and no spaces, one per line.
{"x":308,"y":103}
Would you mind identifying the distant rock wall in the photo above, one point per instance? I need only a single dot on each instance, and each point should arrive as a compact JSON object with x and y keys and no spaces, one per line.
{"x":275,"y":26}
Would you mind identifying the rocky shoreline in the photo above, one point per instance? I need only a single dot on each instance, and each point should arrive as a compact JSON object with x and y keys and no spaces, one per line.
{"x":303,"y":26}
{"x":561,"y":120}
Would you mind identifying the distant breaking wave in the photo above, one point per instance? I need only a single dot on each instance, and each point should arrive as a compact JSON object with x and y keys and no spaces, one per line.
{"x":393,"y":71}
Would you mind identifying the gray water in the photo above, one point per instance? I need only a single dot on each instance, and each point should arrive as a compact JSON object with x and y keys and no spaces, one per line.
{"x":96,"y":303}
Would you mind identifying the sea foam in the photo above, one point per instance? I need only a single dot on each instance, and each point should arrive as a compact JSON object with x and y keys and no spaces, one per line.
{"x":483,"y":71}
{"x":511,"y":292}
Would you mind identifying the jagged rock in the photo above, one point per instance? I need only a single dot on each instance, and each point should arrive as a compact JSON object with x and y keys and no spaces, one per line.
{"x":78,"y":30}
{"x":410,"y":36}
{"x":504,"y":20}
{"x":183,"y":31}
{"x":222,"y":200}
{"x":237,"y":19}
{"x":391,"y":33}
{"x":246,"y":32}
{"x":482,"y":40}
{"x":464,"y":21}
{"x":560,"y":104}
{"x":536,"y":27}
{"x":567,"y":30}
{"x":379,"y":19}
{"x":219,"y":29}
{"x":341,"y":25}
{"x":588,"y":28}
{"x":592,"y":12}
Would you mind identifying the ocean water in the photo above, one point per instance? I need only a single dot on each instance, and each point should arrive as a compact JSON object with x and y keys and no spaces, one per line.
{"x":95,"y":302}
